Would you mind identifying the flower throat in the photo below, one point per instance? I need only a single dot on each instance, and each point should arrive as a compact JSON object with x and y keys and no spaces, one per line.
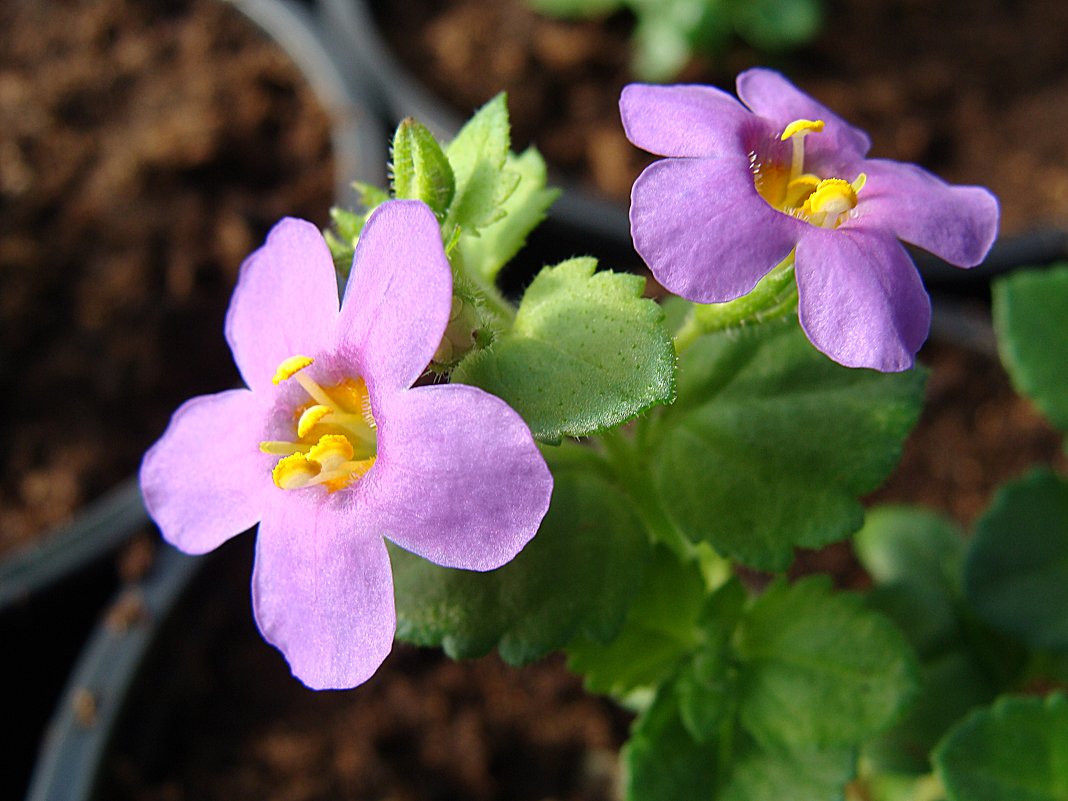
{"x":335,"y":439}
{"x":823,"y":202}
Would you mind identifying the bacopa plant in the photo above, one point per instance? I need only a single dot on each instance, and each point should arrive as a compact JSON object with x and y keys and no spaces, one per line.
{"x":588,"y":470}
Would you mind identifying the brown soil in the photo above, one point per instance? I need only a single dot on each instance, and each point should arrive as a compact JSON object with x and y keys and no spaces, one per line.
{"x":145,"y":149}
{"x":976,"y":91}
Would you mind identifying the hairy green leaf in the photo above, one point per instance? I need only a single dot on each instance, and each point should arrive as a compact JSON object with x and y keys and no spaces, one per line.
{"x":586,"y":353}
{"x":818,"y":668}
{"x":769,"y":443}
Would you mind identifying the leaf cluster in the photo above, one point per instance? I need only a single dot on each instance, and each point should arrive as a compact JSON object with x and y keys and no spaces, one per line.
{"x":987,"y":616}
{"x":667,"y":33}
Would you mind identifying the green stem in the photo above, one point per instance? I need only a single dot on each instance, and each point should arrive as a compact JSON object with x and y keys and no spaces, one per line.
{"x":486,"y":291}
{"x":773,"y":297}
{"x":623,"y":454}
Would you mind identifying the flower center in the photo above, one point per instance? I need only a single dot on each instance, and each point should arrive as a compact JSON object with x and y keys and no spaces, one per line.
{"x":786,"y":187}
{"x":334,"y":440}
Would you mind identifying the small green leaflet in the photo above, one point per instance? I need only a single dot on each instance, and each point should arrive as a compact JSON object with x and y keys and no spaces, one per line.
{"x":585,"y":354}
{"x":577,"y":576}
{"x":770,"y":443}
{"x":663,"y":627}
{"x":664,"y":763}
{"x":1016,"y":569}
{"x":479,"y":156}
{"x":818,"y":668}
{"x":1016,"y":750}
{"x":1030,"y":309}
{"x":524,"y":210}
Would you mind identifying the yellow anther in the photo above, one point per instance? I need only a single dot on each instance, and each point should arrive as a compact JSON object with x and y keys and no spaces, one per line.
{"x":294,"y":471}
{"x":798,"y":190}
{"x":310,"y":417}
{"x":832,"y":198}
{"x":352,"y":396}
{"x":331,"y":451}
{"x":290,"y":367}
{"x":802,"y":127}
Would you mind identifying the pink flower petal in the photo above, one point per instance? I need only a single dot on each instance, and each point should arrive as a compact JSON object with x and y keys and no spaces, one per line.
{"x":704,"y":231}
{"x":860,"y":298}
{"x":205,"y":480}
{"x":398,"y":298}
{"x":956,"y":223}
{"x":458,"y":480}
{"x":682,"y":120}
{"x":285,"y":302}
{"x":322,"y":589}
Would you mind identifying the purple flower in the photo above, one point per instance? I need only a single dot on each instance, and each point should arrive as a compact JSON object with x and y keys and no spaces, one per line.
{"x":744,"y":185}
{"x":330,"y":449}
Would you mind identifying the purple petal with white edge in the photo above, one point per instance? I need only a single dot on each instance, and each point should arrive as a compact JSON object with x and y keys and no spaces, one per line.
{"x":685,"y":120}
{"x":860,"y":298}
{"x":285,"y":302}
{"x":774,"y":98}
{"x":205,"y":480}
{"x":458,"y":480}
{"x":322,"y":588}
{"x":399,"y":295}
{"x":704,"y":231}
{"x":956,"y":223}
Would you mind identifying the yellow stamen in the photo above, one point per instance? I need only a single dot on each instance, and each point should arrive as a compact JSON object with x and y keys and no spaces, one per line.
{"x":352,"y":394}
{"x":859,"y":182}
{"x":798,"y":190}
{"x":830,"y":200}
{"x":796,"y":132}
{"x":345,"y":474}
{"x":276,"y":448}
{"x":802,"y":127}
{"x":331,"y":451}
{"x":290,"y":367}
{"x":294,"y":471}
{"x":310,"y":417}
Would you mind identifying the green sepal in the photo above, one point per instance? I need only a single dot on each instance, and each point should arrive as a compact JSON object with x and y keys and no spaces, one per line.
{"x":421,"y":170}
{"x":770,"y":444}
{"x":1016,"y":569}
{"x":576,"y":577}
{"x":1015,"y":750}
{"x":586,"y":352}
{"x":818,"y":668}
{"x":1030,"y":309}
